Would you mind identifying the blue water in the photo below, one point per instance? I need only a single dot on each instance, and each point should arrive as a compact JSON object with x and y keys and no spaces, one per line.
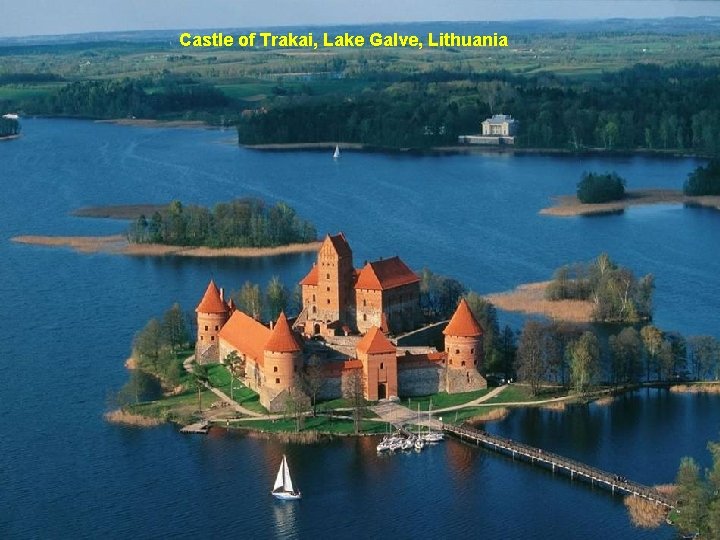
{"x":68,"y":320}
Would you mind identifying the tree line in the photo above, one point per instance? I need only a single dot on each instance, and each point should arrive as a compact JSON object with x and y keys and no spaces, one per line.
{"x":618,"y":296}
{"x":643,"y":107}
{"x":568,"y":355}
{"x":239,"y":223}
{"x":704,"y":180}
{"x":130,"y":97}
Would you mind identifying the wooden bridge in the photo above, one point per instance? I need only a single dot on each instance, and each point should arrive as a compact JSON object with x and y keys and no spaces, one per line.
{"x":574,"y":469}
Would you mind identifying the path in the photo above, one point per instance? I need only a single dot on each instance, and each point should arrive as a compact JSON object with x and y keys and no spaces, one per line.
{"x":188,"y":365}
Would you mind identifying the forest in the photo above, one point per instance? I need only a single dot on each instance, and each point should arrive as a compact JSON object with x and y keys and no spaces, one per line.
{"x":643,"y":107}
{"x":240,"y":223}
{"x":600,"y":188}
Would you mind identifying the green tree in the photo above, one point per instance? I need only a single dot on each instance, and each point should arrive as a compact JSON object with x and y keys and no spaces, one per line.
{"x":174,"y":329}
{"x":584,"y":361}
{"x":692,"y":497}
{"x":250,"y":299}
{"x":486,"y":314}
{"x":277,"y":297}
{"x":626,"y":356}
{"x":596,"y":188}
{"x":148,"y":345}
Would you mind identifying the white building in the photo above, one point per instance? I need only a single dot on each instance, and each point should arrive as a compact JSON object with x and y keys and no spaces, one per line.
{"x":498,"y":129}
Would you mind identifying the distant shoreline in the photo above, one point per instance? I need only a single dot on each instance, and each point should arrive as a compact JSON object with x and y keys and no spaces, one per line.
{"x":569,"y":205}
{"x":118,"y":245}
{"x":148,"y":122}
{"x":119,"y":211}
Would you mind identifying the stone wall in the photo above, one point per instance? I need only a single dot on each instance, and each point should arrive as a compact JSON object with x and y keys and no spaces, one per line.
{"x":461,"y":380}
{"x":420,"y":381}
{"x":330,"y":389}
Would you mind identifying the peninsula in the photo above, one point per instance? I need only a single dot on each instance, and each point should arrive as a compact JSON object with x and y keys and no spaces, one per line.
{"x":569,"y":205}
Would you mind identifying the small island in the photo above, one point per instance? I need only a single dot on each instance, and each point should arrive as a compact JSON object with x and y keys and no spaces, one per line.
{"x":241,"y":228}
{"x":599,"y":194}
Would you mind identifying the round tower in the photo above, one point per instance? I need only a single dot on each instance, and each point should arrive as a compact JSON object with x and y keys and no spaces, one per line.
{"x":212,"y":314}
{"x":463,"y":340}
{"x":282,"y":356}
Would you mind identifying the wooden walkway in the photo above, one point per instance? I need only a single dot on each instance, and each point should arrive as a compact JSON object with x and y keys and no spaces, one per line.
{"x":573,"y":469}
{"x":200,"y":428}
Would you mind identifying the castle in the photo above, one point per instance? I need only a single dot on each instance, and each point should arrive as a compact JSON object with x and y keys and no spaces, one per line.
{"x":349,"y":313}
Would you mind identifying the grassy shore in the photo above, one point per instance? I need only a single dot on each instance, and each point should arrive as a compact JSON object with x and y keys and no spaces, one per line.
{"x":118,"y":245}
{"x":569,"y":205}
{"x":530,"y":298}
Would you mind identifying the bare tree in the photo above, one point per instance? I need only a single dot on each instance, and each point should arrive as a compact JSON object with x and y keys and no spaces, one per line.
{"x":354,"y":392}
{"x":311,"y":379}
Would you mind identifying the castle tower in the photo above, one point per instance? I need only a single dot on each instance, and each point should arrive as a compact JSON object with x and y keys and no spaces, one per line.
{"x":334,"y":292}
{"x":379,"y":359}
{"x":282,"y":357}
{"x":463,"y":346}
{"x":463,"y":339}
{"x":212,"y":314}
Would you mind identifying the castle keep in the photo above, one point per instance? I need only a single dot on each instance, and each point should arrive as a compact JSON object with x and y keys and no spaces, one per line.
{"x":354,"y":311}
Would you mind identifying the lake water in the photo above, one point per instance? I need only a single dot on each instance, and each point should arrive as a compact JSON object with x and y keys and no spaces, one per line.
{"x":68,"y":320}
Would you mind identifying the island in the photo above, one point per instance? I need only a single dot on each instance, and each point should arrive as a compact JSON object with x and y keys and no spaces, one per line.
{"x":258,"y":230}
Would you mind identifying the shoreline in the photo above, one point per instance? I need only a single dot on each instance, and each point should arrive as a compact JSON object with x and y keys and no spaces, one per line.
{"x":118,"y":245}
{"x":570,"y":206}
{"x":10,"y":137}
{"x":149,"y":122}
{"x":530,"y":298}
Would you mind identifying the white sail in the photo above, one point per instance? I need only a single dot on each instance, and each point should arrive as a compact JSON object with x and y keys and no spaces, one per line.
{"x":280,"y":476}
{"x":337,"y":151}
{"x":287,"y":479}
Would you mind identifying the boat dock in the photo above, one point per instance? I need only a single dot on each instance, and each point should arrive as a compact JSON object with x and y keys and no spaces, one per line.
{"x":574,"y":469}
{"x":199,"y":428}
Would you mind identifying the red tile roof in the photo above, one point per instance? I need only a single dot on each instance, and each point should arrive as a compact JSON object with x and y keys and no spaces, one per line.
{"x":375,"y":342}
{"x":211,"y":302}
{"x":340,"y":244}
{"x":246,"y":334}
{"x":282,"y":338}
{"x":312,"y":277}
{"x":352,"y":364}
{"x":463,"y":323}
{"x":423,"y":360}
{"x":385,"y":274}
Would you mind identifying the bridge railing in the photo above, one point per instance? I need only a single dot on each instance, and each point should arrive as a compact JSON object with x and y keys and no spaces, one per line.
{"x":556,"y":460}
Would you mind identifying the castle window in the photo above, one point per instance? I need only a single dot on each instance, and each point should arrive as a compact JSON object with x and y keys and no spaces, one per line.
{"x":202,"y":338}
{"x":313,"y":297}
{"x":364,"y":316}
{"x":364,"y":302}
{"x":328,"y":276}
{"x":212,"y":338}
{"x":275,"y":369}
{"x":474,"y":362}
{"x":457,"y":351}
{"x":472,"y":351}
{"x":206,"y":328}
{"x":328,"y":289}
{"x":450,"y":362}
{"x":328,"y":300}
{"x":462,"y":363}
{"x":314,"y":309}
{"x":277,"y":381}
{"x":381,"y":365}
{"x":217,"y":328}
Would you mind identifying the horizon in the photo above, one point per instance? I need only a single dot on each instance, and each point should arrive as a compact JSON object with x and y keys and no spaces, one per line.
{"x":80,"y":17}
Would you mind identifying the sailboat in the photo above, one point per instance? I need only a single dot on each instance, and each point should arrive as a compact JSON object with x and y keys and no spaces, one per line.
{"x":337,"y":151}
{"x":283,"y":488}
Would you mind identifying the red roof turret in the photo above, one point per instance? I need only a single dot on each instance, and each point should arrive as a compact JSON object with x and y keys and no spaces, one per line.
{"x":463,"y":323}
{"x":212,"y":301}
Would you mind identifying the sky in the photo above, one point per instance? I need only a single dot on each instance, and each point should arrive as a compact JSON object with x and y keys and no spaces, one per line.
{"x":47,"y":17}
